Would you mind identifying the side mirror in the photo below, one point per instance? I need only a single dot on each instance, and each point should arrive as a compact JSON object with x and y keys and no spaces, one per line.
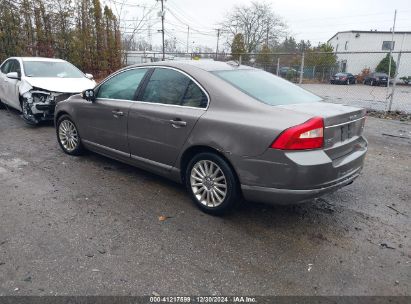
{"x":89,"y":95}
{"x":89,"y":76}
{"x":13,"y":75}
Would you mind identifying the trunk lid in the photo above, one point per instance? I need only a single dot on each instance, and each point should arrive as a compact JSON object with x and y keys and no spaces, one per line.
{"x":343,"y":125}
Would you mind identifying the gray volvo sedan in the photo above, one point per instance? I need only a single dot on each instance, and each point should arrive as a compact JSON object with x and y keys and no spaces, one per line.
{"x":225,"y":131}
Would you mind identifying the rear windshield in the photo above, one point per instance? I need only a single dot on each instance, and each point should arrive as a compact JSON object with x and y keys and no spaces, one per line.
{"x":266,"y":87}
{"x":51,"y":69}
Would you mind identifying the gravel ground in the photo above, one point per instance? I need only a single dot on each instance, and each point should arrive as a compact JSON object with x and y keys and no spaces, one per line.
{"x":90,"y":226}
{"x":373,"y":98}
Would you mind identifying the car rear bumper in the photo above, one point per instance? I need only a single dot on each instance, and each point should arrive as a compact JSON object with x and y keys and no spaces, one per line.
{"x":286,"y":177}
{"x":292,"y":196}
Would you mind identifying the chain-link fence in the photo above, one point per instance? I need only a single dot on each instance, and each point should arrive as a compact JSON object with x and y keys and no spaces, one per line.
{"x":347,"y":78}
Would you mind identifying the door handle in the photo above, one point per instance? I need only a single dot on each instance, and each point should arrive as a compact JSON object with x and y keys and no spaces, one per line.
{"x":117,"y":113}
{"x":178,"y":123}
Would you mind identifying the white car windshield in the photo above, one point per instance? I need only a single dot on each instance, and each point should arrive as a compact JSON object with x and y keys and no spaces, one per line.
{"x":51,"y":69}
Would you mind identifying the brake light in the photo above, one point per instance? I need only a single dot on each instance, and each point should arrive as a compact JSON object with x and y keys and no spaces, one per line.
{"x":309,"y":135}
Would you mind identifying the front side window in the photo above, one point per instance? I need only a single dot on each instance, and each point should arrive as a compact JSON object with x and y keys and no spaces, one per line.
{"x":123,"y":85}
{"x":6,"y":66}
{"x":266,"y":87}
{"x":15,"y":67}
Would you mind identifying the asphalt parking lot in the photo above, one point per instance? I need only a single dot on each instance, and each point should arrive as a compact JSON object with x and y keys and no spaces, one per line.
{"x":90,"y":226}
{"x":374,"y":98}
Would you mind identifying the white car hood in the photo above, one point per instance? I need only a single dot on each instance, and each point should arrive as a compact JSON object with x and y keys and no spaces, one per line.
{"x":61,"y":85}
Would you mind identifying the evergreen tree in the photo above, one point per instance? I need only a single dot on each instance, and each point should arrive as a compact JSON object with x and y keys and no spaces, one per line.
{"x":384,"y":64}
{"x":264,"y":58}
{"x":238,"y":47}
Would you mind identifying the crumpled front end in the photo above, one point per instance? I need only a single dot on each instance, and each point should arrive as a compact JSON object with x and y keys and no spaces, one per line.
{"x":38,"y":104}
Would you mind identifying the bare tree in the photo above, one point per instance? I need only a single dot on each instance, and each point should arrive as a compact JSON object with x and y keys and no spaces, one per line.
{"x":257,"y":22}
{"x":134,"y":27}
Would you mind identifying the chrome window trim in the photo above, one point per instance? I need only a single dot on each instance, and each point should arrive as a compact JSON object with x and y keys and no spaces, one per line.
{"x":345,"y":123}
{"x":156,"y":103}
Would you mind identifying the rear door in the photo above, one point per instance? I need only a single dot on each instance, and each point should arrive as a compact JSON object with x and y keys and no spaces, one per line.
{"x":160,"y":121}
{"x":103,"y":123}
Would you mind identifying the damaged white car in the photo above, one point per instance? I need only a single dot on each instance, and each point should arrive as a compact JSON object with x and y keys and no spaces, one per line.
{"x":34,"y":85}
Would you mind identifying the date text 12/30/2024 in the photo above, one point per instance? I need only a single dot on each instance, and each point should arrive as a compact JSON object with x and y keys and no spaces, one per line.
{"x":202,"y":299}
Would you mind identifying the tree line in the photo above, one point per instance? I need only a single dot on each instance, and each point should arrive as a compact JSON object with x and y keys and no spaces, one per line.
{"x":79,"y":31}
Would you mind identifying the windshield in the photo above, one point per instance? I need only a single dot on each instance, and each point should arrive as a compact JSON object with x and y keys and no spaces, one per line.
{"x":51,"y":69}
{"x":266,"y":87}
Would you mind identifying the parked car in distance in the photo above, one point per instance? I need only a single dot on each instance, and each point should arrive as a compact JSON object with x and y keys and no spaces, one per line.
{"x":343,"y":78}
{"x":288,"y":72}
{"x":34,"y":85}
{"x":376,"y":79}
{"x":223,"y":130}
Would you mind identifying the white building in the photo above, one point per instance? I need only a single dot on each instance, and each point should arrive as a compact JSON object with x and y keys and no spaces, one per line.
{"x":371,"y":41}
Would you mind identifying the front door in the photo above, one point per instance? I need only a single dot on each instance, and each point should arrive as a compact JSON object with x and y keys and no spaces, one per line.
{"x":9,"y":92}
{"x":103,"y":123}
{"x":159,"y":123}
{"x":11,"y":89}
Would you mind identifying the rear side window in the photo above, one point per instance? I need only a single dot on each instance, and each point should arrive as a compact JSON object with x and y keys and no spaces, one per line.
{"x":168,"y":86}
{"x":266,"y":87}
{"x":194,"y":96}
{"x":123,"y":85}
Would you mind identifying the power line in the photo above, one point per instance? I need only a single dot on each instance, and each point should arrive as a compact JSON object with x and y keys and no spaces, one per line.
{"x":185,"y":15}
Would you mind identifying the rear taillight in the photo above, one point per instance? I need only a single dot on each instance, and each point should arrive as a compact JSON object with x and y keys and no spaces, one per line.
{"x":309,"y":135}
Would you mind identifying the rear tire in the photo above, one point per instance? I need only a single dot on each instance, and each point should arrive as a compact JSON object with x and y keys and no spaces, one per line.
{"x":68,"y":136}
{"x":212,"y":183}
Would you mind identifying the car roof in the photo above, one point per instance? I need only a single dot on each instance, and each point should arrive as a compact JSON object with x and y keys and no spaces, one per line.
{"x":44,"y":59}
{"x":206,"y":65}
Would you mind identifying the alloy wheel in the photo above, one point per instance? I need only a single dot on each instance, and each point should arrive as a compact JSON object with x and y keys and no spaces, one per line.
{"x":208,"y":183}
{"x":68,"y":135}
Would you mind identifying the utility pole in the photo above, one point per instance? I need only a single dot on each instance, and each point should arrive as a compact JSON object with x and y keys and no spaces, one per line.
{"x":188,"y":36}
{"x":396,"y":75}
{"x":391,"y":48}
{"x":268,"y":31}
{"x":216,"y":49}
{"x":162,"y":27}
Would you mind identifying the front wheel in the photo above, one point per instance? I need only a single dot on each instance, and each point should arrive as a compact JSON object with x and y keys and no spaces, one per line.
{"x":212,"y":183}
{"x":27,"y":114}
{"x":68,"y":136}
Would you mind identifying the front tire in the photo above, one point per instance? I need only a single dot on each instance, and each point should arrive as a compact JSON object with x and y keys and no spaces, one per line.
{"x":212,"y":183}
{"x":26,"y":113}
{"x":68,"y":136}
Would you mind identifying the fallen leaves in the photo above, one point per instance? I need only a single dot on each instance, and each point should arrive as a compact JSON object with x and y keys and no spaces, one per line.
{"x":162,"y":218}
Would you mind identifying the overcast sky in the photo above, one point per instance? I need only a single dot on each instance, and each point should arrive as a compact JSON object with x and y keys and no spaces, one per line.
{"x":314,"y":20}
